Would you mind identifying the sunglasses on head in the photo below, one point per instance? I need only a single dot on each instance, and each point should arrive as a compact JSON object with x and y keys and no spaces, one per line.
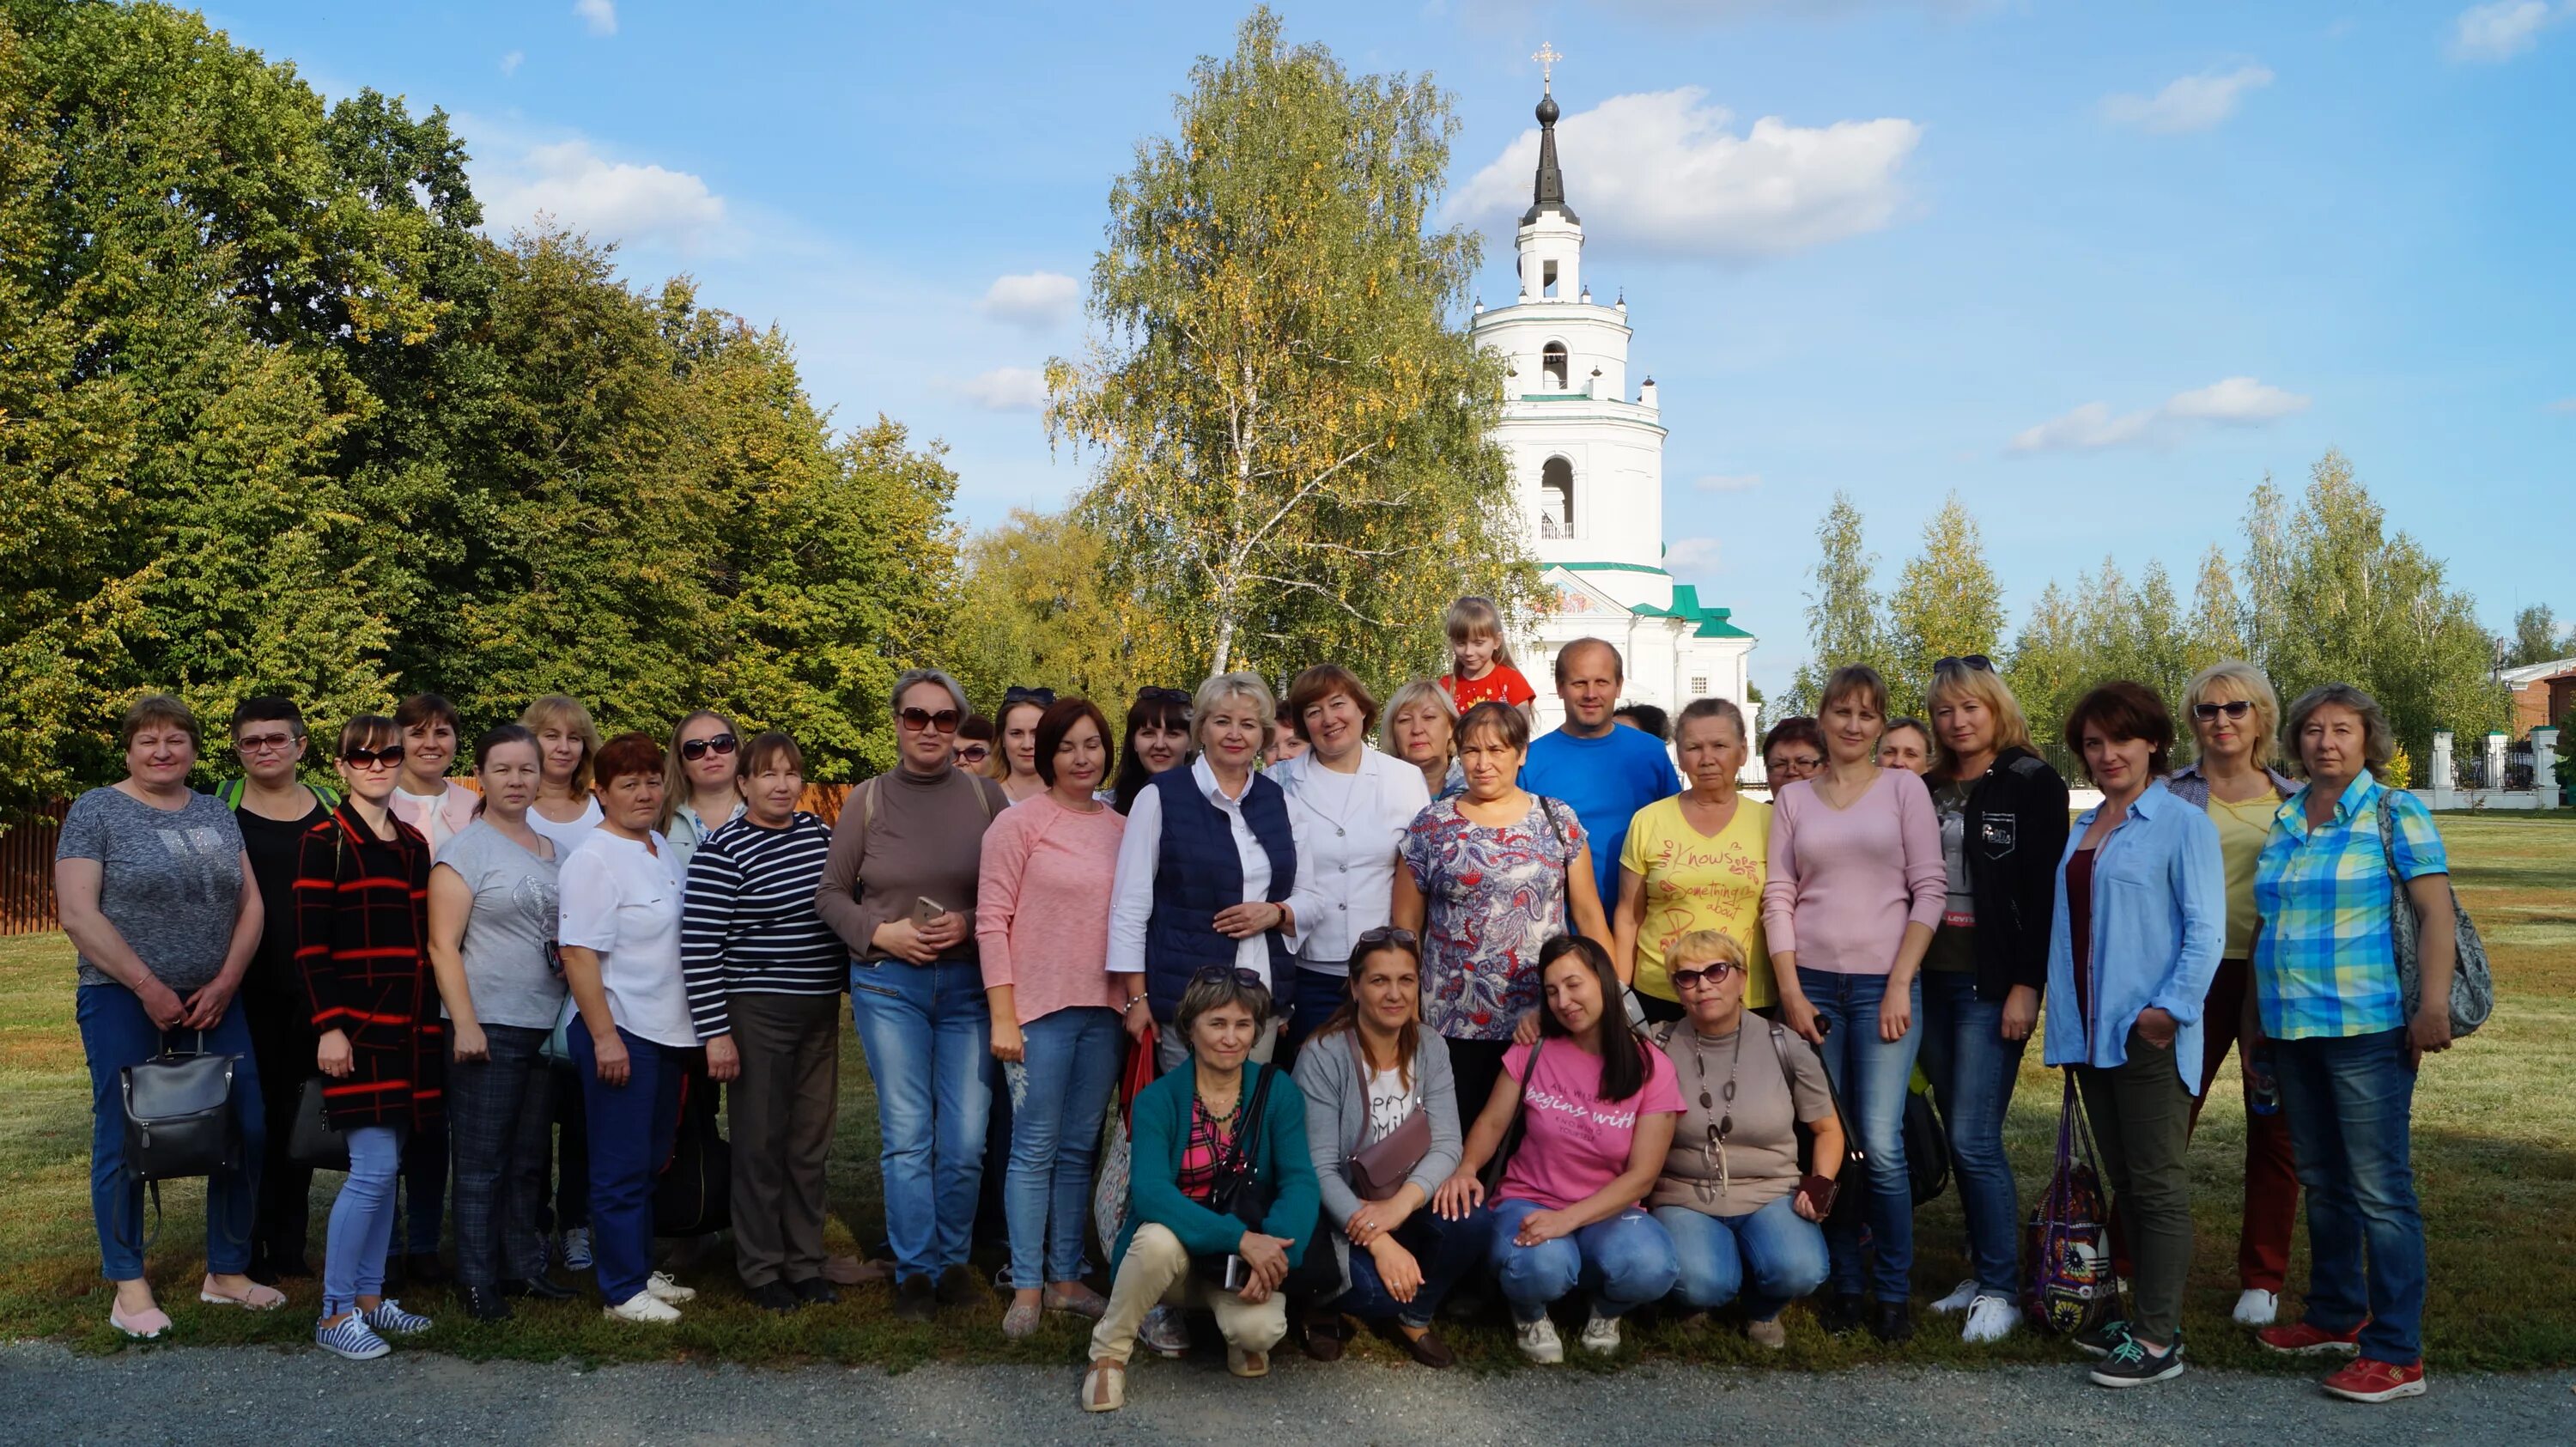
{"x":1708,"y":974}
{"x":2233,"y":708}
{"x":917,"y":719}
{"x":1403,"y":939}
{"x":1974,"y":663}
{"x":973,"y":754}
{"x":1162,"y":695}
{"x":696,"y":749}
{"x":1043,"y":697}
{"x":1249,"y":979}
{"x":389,"y":756}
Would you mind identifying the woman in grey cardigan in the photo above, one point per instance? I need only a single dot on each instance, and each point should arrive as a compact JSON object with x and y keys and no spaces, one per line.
{"x":1382,"y":1126}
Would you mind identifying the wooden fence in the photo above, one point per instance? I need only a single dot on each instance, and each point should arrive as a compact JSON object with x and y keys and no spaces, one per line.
{"x":27,"y":859}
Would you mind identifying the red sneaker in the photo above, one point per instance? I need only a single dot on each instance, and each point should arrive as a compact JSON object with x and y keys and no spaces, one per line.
{"x":2298,"y":1339}
{"x":2365,"y":1380}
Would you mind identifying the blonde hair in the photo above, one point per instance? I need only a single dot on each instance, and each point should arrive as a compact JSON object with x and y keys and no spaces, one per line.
{"x":1475,"y":616}
{"x":2248,"y":680}
{"x":1703,"y":947}
{"x":1420,"y":690}
{"x":675,"y":770}
{"x":563,"y":711}
{"x":1239,"y":684}
{"x":2012,"y":727}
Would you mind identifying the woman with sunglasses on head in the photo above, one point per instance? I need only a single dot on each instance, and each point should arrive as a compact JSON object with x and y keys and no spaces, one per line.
{"x":701,"y":783}
{"x":2234,"y":714}
{"x":1158,"y":738}
{"x":899,"y":888}
{"x":1014,"y":763}
{"x":361,"y":926}
{"x":2002,"y":813}
{"x":1382,"y":1125}
{"x":1745,"y":1220}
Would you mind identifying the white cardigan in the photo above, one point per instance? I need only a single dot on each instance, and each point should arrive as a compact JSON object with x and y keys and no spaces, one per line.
{"x":1346,"y":860}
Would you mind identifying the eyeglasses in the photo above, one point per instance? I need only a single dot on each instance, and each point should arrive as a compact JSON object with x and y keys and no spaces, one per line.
{"x":1708,"y":975}
{"x":1403,"y":939}
{"x":2233,"y":708}
{"x":696,"y":749}
{"x":917,"y":719}
{"x":1974,"y":663}
{"x":390,"y":756}
{"x":1043,"y":697}
{"x":973,"y":753}
{"x":1162,"y":695}
{"x":265,"y":744}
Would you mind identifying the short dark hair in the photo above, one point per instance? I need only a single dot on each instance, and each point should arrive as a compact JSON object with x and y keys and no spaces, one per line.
{"x":1496,"y":717}
{"x":1623,"y":1071}
{"x":1795,"y":729}
{"x":160,"y":708}
{"x":1212,"y":988}
{"x":631,"y":753}
{"x":1618,"y":663}
{"x":1645,"y":718}
{"x":2123,"y":710}
{"x":268,"y":708}
{"x":1321,"y":682}
{"x":764,"y":747}
{"x":425,"y":708}
{"x":1853,"y":678}
{"x":976,"y":727}
{"x":499,"y":734}
{"x":1058,"y":720}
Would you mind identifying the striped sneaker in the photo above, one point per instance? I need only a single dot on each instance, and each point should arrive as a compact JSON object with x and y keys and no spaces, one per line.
{"x":389,"y":1319}
{"x":352,"y":1339}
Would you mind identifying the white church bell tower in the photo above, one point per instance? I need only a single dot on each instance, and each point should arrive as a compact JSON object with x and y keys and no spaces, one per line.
{"x":1587,"y":454}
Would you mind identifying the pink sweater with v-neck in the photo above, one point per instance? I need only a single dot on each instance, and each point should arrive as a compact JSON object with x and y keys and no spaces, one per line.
{"x":1844,"y":883}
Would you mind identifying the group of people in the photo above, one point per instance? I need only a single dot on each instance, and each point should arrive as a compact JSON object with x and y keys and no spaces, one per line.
{"x":1462,"y":1012}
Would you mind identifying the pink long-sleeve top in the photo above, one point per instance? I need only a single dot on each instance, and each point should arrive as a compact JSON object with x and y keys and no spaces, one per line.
{"x":1844,"y":883}
{"x":1042,"y":905}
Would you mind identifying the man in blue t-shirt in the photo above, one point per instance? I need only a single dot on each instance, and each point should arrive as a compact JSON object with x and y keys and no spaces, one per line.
{"x":1607,"y":773}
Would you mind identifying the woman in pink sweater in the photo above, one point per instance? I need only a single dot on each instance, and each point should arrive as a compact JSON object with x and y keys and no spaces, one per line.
{"x":1042,"y":920}
{"x":1856,"y":885}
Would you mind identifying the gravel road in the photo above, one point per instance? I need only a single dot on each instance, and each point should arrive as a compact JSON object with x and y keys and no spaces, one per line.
{"x":214,"y":1397}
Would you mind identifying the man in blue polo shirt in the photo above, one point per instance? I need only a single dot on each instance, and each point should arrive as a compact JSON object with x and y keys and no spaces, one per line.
{"x":1607,"y":773}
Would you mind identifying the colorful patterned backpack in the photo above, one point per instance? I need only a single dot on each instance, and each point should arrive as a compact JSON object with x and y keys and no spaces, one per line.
{"x":2066,"y":1252}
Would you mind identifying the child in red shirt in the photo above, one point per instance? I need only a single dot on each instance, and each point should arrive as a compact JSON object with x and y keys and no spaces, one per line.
{"x":1481,"y":662}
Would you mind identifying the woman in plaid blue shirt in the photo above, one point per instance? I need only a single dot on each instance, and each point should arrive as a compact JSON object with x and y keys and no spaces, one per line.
{"x":2326,"y":993}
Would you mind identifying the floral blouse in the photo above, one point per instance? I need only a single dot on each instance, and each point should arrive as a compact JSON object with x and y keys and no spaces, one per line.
{"x":1492,"y":897}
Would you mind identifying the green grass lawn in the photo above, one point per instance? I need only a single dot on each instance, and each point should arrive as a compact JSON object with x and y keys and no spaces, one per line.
{"x":2495,"y":1155}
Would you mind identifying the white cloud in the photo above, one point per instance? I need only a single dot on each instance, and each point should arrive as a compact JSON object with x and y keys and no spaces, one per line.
{"x":2504,"y":29}
{"x":2565,"y":406}
{"x":2192,"y":103}
{"x":1662,"y":170}
{"x":2233,"y":401}
{"x":598,"y":16}
{"x":1006,"y":389}
{"x":1728,"y":482}
{"x":1691,"y":555}
{"x":572,"y":183}
{"x":1036,"y":301}
{"x":511,"y":62}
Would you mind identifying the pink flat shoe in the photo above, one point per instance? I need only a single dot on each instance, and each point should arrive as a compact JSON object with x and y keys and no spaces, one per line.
{"x":258,"y":1298}
{"x":142,"y":1326}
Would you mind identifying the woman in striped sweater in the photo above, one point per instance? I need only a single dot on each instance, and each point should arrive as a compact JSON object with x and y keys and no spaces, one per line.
{"x":361,"y":892}
{"x":764,"y":976}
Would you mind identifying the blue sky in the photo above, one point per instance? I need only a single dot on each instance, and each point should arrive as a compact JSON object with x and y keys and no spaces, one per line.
{"x":2095,"y":267}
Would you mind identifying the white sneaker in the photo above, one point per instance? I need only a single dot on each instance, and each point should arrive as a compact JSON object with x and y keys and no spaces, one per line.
{"x":1539,"y":1343}
{"x":2257,"y":1307}
{"x":1990,"y":1319}
{"x":642,"y":1310}
{"x":1961,"y":1297}
{"x":661,"y":1287}
{"x":1600,"y":1334}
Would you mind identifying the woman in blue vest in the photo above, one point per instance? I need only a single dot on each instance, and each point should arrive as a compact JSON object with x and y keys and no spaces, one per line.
{"x":1207,"y":868}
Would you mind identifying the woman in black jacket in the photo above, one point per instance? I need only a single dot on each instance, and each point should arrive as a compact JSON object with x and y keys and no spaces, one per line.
{"x":2003,"y":825}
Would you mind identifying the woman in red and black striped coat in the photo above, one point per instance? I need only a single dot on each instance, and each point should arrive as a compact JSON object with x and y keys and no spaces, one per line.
{"x":361,"y":903}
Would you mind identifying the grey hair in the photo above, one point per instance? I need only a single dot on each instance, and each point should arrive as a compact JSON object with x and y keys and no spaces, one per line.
{"x":1420,"y":690}
{"x":1700,"y":708}
{"x":2248,"y":680}
{"x":1213,"y":991}
{"x":1232,"y":685}
{"x":2378,"y":740}
{"x":912,"y":678}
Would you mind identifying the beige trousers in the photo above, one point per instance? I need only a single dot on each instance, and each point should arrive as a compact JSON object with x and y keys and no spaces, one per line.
{"x":1157,"y":1269}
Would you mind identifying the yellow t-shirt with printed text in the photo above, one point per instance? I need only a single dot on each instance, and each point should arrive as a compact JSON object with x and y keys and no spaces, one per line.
{"x":1694,"y":881}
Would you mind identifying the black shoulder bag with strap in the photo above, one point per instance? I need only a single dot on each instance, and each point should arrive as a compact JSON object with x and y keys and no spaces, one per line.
{"x":1240,"y":1192}
{"x":179,"y":1119}
{"x":1838,"y":1204}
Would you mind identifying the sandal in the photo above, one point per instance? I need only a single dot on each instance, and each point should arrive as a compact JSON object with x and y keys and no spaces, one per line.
{"x":258,"y":1298}
{"x":1104,"y":1387}
{"x":149,"y":1324}
{"x":1078,"y":1299}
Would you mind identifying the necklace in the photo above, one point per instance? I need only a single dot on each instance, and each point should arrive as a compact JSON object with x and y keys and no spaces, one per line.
{"x":1713,"y":1150}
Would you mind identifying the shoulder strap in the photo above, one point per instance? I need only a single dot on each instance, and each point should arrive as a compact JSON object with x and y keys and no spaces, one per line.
{"x":329,"y":796}
{"x":229,"y":792}
{"x":2388,"y":839}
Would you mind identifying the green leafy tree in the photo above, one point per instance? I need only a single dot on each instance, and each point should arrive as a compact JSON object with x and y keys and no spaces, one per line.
{"x":2052,"y":664}
{"x":1947,"y":604}
{"x":1291,"y":427}
{"x":1032,"y":610}
{"x":2216,"y":627}
{"x":2535,"y":637}
{"x":1845,"y":616}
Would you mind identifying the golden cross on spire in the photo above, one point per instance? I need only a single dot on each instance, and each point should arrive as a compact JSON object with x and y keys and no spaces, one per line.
{"x":1547,"y":57}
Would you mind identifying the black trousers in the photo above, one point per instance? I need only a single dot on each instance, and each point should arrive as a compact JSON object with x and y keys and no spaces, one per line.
{"x":1475,"y":1065}
{"x":283,"y":1047}
{"x":499,"y":1119}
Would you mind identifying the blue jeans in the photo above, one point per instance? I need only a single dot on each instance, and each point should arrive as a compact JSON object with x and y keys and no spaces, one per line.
{"x":1781,"y":1251}
{"x":2350,"y":1104}
{"x":1972,"y":1068}
{"x":116,"y":1033}
{"x":1624,"y":1262}
{"x":1872,"y":1076}
{"x":631,"y":1128}
{"x":362,"y":1219}
{"x":1316,"y":996}
{"x":1072,"y":1061}
{"x":928,"y":1035}
{"x":1447,"y":1251}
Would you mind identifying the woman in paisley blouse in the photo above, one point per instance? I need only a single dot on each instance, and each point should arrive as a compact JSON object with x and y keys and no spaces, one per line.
{"x":1489,"y":876}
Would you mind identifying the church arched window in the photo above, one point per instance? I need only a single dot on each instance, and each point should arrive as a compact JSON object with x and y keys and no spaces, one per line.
{"x":1556,"y":499}
{"x":1552,"y":366}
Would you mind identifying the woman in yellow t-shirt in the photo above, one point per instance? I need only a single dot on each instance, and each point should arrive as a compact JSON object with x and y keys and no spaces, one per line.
{"x":1695,"y":861}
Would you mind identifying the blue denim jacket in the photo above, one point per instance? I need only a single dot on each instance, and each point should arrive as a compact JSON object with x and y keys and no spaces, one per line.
{"x":2159,"y":921}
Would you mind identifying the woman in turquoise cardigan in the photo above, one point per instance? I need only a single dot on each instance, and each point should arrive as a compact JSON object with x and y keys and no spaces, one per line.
{"x":1192,"y":1127}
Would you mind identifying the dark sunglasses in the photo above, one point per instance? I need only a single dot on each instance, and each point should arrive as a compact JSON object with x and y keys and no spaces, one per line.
{"x":2233,"y":708}
{"x":917,"y":719}
{"x":1042,"y":697}
{"x":973,"y":754}
{"x":1162,"y":695}
{"x":696,"y":749}
{"x":389,"y":756}
{"x":1707,"y":975}
{"x":1249,"y":979}
{"x":1974,"y":662}
{"x":1403,"y":939}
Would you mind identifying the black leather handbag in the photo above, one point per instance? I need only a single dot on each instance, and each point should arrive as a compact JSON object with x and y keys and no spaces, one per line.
{"x":179,"y":1119}
{"x":311,"y":1140}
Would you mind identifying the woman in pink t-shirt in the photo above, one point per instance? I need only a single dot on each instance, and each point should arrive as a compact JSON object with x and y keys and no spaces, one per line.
{"x":1596,"y":1105}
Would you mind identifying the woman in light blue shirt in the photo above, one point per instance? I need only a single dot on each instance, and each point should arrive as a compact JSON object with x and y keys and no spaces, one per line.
{"x":2141,"y":917}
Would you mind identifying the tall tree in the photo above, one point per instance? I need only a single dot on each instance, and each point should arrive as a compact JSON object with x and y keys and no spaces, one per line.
{"x":1947,"y":603}
{"x":1292,"y":428}
{"x":2216,"y":628}
{"x":1845,"y":616}
{"x":2050,"y":668}
{"x":1032,"y":610}
{"x":2535,"y":637}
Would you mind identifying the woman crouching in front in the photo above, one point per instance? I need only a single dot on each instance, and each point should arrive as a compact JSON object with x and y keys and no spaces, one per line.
{"x":1211,"y":1140}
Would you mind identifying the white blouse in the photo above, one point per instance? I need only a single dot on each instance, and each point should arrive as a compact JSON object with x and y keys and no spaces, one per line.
{"x":1349,"y":829}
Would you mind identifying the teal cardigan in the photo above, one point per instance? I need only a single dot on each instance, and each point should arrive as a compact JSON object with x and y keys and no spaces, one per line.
{"x":1162,"y":1127}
